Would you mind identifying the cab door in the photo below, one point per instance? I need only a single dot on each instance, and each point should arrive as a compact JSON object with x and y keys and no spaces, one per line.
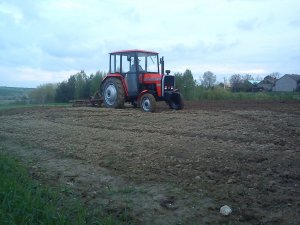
{"x":130,"y":74}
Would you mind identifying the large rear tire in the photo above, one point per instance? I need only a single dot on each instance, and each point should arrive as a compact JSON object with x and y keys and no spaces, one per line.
{"x":176,"y":101}
{"x":148,"y":103}
{"x":113,"y":93}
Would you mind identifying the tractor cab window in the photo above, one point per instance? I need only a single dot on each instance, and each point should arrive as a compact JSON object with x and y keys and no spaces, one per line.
{"x":115,"y":63}
{"x":148,"y":62}
{"x":132,"y":62}
{"x":135,"y":65}
{"x":141,"y":64}
{"x":125,"y":64}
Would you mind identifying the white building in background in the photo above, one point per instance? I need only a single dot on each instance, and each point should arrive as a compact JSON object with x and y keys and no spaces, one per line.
{"x":288,"y":82}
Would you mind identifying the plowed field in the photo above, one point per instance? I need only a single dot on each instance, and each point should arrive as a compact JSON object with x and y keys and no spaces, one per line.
{"x":169,"y":167}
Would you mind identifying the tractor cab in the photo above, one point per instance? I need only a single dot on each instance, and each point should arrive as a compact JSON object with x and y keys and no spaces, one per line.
{"x":133,"y":65}
{"x":134,"y":76}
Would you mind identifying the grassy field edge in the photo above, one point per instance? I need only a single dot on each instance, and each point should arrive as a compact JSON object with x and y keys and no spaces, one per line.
{"x":26,"y":201}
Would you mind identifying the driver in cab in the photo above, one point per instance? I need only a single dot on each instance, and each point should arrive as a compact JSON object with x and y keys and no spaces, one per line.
{"x":133,"y":67}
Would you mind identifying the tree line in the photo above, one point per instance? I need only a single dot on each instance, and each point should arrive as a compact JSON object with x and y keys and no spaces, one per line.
{"x":82,"y":86}
{"x":78,"y":86}
{"x":207,"y":84}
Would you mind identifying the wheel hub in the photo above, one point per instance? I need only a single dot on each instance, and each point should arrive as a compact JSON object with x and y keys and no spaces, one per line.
{"x":146,"y":104}
{"x":110,"y":94}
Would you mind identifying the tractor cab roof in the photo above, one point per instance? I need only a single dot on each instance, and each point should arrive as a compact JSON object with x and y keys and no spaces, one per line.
{"x":134,"y":50}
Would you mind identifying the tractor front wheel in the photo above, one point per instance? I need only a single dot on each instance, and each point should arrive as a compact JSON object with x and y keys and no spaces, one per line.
{"x":113,"y":93}
{"x":148,"y":103}
{"x":176,"y":101}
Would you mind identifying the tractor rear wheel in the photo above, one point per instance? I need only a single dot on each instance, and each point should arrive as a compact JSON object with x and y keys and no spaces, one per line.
{"x":113,"y":93}
{"x":176,"y":101}
{"x":148,"y":103}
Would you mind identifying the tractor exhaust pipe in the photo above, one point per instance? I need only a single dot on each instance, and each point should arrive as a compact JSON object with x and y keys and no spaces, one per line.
{"x":162,"y":65}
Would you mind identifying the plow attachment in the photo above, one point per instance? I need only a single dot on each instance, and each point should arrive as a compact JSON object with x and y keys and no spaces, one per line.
{"x":93,"y":101}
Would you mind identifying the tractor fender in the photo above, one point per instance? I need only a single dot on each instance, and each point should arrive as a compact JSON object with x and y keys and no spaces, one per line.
{"x":140,"y":95}
{"x":118,"y":76}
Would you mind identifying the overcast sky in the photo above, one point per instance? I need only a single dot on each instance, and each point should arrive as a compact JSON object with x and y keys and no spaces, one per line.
{"x":47,"y":41}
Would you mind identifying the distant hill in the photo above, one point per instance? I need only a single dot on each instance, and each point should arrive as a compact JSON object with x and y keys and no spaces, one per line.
{"x":13,"y":94}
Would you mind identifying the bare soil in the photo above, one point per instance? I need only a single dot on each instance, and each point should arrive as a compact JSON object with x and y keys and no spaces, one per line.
{"x":169,"y":167}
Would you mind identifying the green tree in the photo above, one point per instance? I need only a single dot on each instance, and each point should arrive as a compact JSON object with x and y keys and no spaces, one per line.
{"x":66,"y":90}
{"x":189,"y":85}
{"x":96,"y":81}
{"x":43,"y":94}
{"x":80,"y":85}
{"x":236,"y":82}
{"x":71,"y":85}
{"x":186,"y":84}
{"x":208,"y":79}
{"x":179,"y":81}
{"x":247,"y":77}
{"x":62,"y":92}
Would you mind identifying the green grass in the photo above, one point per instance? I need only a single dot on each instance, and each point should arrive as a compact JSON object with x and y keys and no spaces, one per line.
{"x":14,"y":106}
{"x":221,"y":94}
{"x":25,"y":201}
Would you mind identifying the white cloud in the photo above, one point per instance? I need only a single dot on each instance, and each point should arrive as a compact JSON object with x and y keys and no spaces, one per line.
{"x":11,"y":11}
{"x":32,"y":76}
{"x":224,"y":70}
{"x":69,"y":5}
{"x":36,"y":75}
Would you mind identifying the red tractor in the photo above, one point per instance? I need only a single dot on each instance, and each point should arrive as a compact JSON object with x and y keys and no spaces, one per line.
{"x":134,"y":76}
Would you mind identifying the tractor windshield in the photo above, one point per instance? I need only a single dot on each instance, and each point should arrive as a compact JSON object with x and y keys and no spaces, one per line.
{"x":148,"y":62}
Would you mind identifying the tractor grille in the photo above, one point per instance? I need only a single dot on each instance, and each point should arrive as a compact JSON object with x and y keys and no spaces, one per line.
{"x":168,"y":83}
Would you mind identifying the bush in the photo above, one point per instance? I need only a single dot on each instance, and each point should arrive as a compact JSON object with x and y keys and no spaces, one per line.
{"x":44,"y":93}
{"x":218,"y":93}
